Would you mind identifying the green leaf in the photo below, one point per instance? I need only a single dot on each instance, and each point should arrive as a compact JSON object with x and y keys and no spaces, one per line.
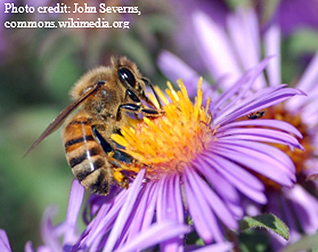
{"x":254,"y":240}
{"x":267,"y":221}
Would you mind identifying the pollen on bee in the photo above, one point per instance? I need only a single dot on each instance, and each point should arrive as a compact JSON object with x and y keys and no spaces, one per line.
{"x":120,"y":178}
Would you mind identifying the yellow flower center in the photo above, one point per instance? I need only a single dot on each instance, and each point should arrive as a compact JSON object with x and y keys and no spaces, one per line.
{"x":165,"y":144}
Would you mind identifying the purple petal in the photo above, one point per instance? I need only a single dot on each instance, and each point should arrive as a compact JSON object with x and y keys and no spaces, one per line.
{"x":224,"y":105}
{"x":216,"y":204}
{"x":223,"y":166}
{"x":44,"y":249}
{"x":247,"y":106}
{"x":174,"y":68}
{"x":264,"y":123}
{"x":50,"y":234}
{"x":272,"y":48}
{"x":28,"y":247}
{"x":309,"y":113}
{"x":155,"y":234}
{"x":205,"y":224}
{"x":4,"y":242}
{"x":100,"y":237}
{"x":244,"y":34}
{"x":236,"y":171}
{"x":95,"y":202}
{"x":151,"y":204}
{"x":257,"y":160}
{"x":176,"y":196}
{"x":173,"y":210}
{"x":74,"y":206}
{"x":260,"y":135}
{"x":288,"y":215}
{"x":225,"y":190}
{"x":306,"y":206}
{"x":161,"y":207}
{"x":103,"y":222}
{"x":310,"y":105}
{"x":218,"y":247}
{"x":169,"y":199}
{"x":277,"y":156}
{"x":124,"y":212}
{"x":216,"y":49}
{"x":307,"y":83}
{"x":133,"y":224}
{"x":144,"y":205}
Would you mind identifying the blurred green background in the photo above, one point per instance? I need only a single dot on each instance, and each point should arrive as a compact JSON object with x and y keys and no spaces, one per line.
{"x":37,"y":69}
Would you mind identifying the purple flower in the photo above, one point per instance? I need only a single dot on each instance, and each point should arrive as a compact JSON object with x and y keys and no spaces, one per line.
{"x":193,"y":163}
{"x":230,"y":51}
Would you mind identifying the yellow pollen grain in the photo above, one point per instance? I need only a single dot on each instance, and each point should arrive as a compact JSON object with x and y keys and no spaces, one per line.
{"x":166,"y":143}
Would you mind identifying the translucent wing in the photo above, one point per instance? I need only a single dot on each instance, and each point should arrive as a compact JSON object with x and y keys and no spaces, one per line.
{"x":58,"y":121}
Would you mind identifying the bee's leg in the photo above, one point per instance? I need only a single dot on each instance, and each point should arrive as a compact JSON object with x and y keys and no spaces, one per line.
{"x":136,"y":99}
{"x":123,"y":156}
{"x":118,"y":155}
{"x":118,"y":173}
{"x":137,"y":107}
{"x":108,"y":148}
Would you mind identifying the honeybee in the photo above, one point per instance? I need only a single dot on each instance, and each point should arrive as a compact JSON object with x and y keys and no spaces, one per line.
{"x":256,"y":115}
{"x":104,"y":96}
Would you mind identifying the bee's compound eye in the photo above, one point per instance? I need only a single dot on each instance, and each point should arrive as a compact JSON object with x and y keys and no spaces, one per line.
{"x":126,"y":77}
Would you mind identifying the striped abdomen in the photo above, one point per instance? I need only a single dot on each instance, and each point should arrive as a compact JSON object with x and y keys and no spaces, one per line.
{"x":86,"y":157}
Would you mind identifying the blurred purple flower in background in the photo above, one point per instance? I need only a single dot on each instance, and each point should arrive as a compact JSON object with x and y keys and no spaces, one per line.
{"x":183,"y":35}
{"x":294,"y":15}
{"x":229,"y":51}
